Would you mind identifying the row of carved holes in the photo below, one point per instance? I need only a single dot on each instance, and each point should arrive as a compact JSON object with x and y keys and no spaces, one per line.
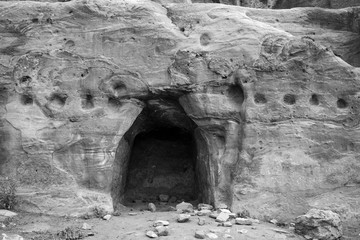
{"x":87,"y":101}
{"x":290,"y":99}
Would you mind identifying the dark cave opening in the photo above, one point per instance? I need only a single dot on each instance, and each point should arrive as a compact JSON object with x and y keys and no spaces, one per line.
{"x":162,"y":161}
{"x":163,"y":152}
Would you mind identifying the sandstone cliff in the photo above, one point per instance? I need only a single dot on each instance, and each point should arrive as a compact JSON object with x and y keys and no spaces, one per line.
{"x":270,"y":97}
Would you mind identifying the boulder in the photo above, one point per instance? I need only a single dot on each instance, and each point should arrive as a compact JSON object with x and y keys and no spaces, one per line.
{"x":319,"y":224}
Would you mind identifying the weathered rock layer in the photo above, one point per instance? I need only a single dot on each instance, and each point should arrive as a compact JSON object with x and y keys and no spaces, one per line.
{"x":270,"y":99}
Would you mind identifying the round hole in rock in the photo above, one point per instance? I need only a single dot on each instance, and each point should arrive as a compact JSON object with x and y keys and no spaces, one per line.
{"x":26,"y":99}
{"x":314,"y":100}
{"x":259,"y":98}
{"x":25,"y":79}
{"x":289,"y":99}
{"x":87,"y":101}
{"x":162,"y":161}
{"x":58,"y":99}
{"x":341,"y":103}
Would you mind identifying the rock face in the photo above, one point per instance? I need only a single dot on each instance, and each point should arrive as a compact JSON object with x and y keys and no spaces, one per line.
{"x":319,"y":224}
{"x":266,"y":104}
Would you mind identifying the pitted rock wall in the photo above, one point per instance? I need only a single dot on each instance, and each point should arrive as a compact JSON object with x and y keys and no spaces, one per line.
{"x":274,"y":96}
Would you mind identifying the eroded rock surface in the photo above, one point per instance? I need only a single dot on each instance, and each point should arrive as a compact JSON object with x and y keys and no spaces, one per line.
{"x":319,"y":224}
{"x":270,"y":98}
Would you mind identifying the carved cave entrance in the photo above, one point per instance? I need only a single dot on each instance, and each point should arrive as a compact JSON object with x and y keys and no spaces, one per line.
{"x":162,"y":153}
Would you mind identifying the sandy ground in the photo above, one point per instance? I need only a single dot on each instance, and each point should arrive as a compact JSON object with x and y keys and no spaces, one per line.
{"x":134,"y":224}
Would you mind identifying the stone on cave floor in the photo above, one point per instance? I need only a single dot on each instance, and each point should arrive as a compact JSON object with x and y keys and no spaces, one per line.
{"x":164,"y":197}
{"x":200,"y":234}
{"x":242,"y":231}
{"x":203,"y":212}
{"x":183,"y":218}
{"x":204,"y":206}
{"x":151,"y":234}
{"x":132,"y":213}
{"x":11,"y":237}
{"x":226,"y":224}
{"x":243,"y":221}
{"x":273,"y":221}
{"x":228,"y":236}
{"x":319,"y":224}
{"x":184,"y":207}
{"x":7,"y":213}
{"x":222,"y":217}
{"x":161,"y":223}
{"x":86,"y":226}
{"x":222,"y":206}
{"x":162,"y":230}
{"x":107,"y":217}
{"x":152,"y":207}
{"x":212,"y":236}
{"x":224,"y":210}
{"x":214,"y":215}
{"x":201,"y":221}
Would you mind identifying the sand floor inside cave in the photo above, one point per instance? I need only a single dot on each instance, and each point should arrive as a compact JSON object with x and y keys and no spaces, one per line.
{"x":128,"y":226}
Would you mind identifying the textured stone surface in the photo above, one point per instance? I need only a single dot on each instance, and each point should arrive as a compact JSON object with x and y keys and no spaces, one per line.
{"x":319,"y":224}
{"x":271,"y":99}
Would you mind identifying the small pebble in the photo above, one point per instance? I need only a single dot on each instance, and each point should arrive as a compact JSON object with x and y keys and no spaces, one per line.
{"x":201,"y":221}
{"x":162,"y":231}
{"x":204,"y":206}
{"x":86,"y":226}
{"x":243,"y":231}
{"x":227,"y":224}
{"x":212,"y":236}
{"x":132,"y":213}
{"x":273,"y":221}
{"x":203,"y":212}
{"x":228,"y":236}
{"x":151,"y":234}
{"x":222,"y":217}
{"x":214,"y":215}
{"x":107,"y":217}
{"x":183,"y":218}
{"x":161,"y":223}
{"x":200,"y":234}
{"x":222,"y":206}
{"x":243,"y":221}
{"x":152,"y":207}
